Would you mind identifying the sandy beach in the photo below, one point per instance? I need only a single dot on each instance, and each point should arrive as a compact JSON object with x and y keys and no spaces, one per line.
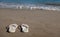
{"x":42,"y":23}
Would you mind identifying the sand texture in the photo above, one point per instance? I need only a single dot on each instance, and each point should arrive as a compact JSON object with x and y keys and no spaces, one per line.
{"x":42,"y":23}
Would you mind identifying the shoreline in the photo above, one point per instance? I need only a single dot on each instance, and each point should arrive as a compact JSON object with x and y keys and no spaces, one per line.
{"x":28,"y":9}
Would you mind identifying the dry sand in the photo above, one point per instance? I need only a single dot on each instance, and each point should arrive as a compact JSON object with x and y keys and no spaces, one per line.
{"x":42,"y":23}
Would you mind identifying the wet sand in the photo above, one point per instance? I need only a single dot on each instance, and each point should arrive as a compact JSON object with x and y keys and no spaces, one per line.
{"x":42,"y":23}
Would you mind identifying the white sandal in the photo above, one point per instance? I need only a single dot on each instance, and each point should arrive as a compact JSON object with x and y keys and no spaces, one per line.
{"x":25,"y":28}
{"x":12,"y":27}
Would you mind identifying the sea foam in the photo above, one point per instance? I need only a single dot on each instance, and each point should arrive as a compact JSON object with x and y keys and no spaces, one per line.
{"x":29,"y":6}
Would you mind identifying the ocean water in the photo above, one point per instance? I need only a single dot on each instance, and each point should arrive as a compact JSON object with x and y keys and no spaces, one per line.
{"x":31,"y":4}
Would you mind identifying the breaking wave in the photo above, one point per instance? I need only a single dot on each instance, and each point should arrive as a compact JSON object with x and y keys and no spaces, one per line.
{"x":29,"y":6}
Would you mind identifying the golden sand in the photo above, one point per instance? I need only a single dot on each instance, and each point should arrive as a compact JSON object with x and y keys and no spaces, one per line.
{"x":42,"y":23}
